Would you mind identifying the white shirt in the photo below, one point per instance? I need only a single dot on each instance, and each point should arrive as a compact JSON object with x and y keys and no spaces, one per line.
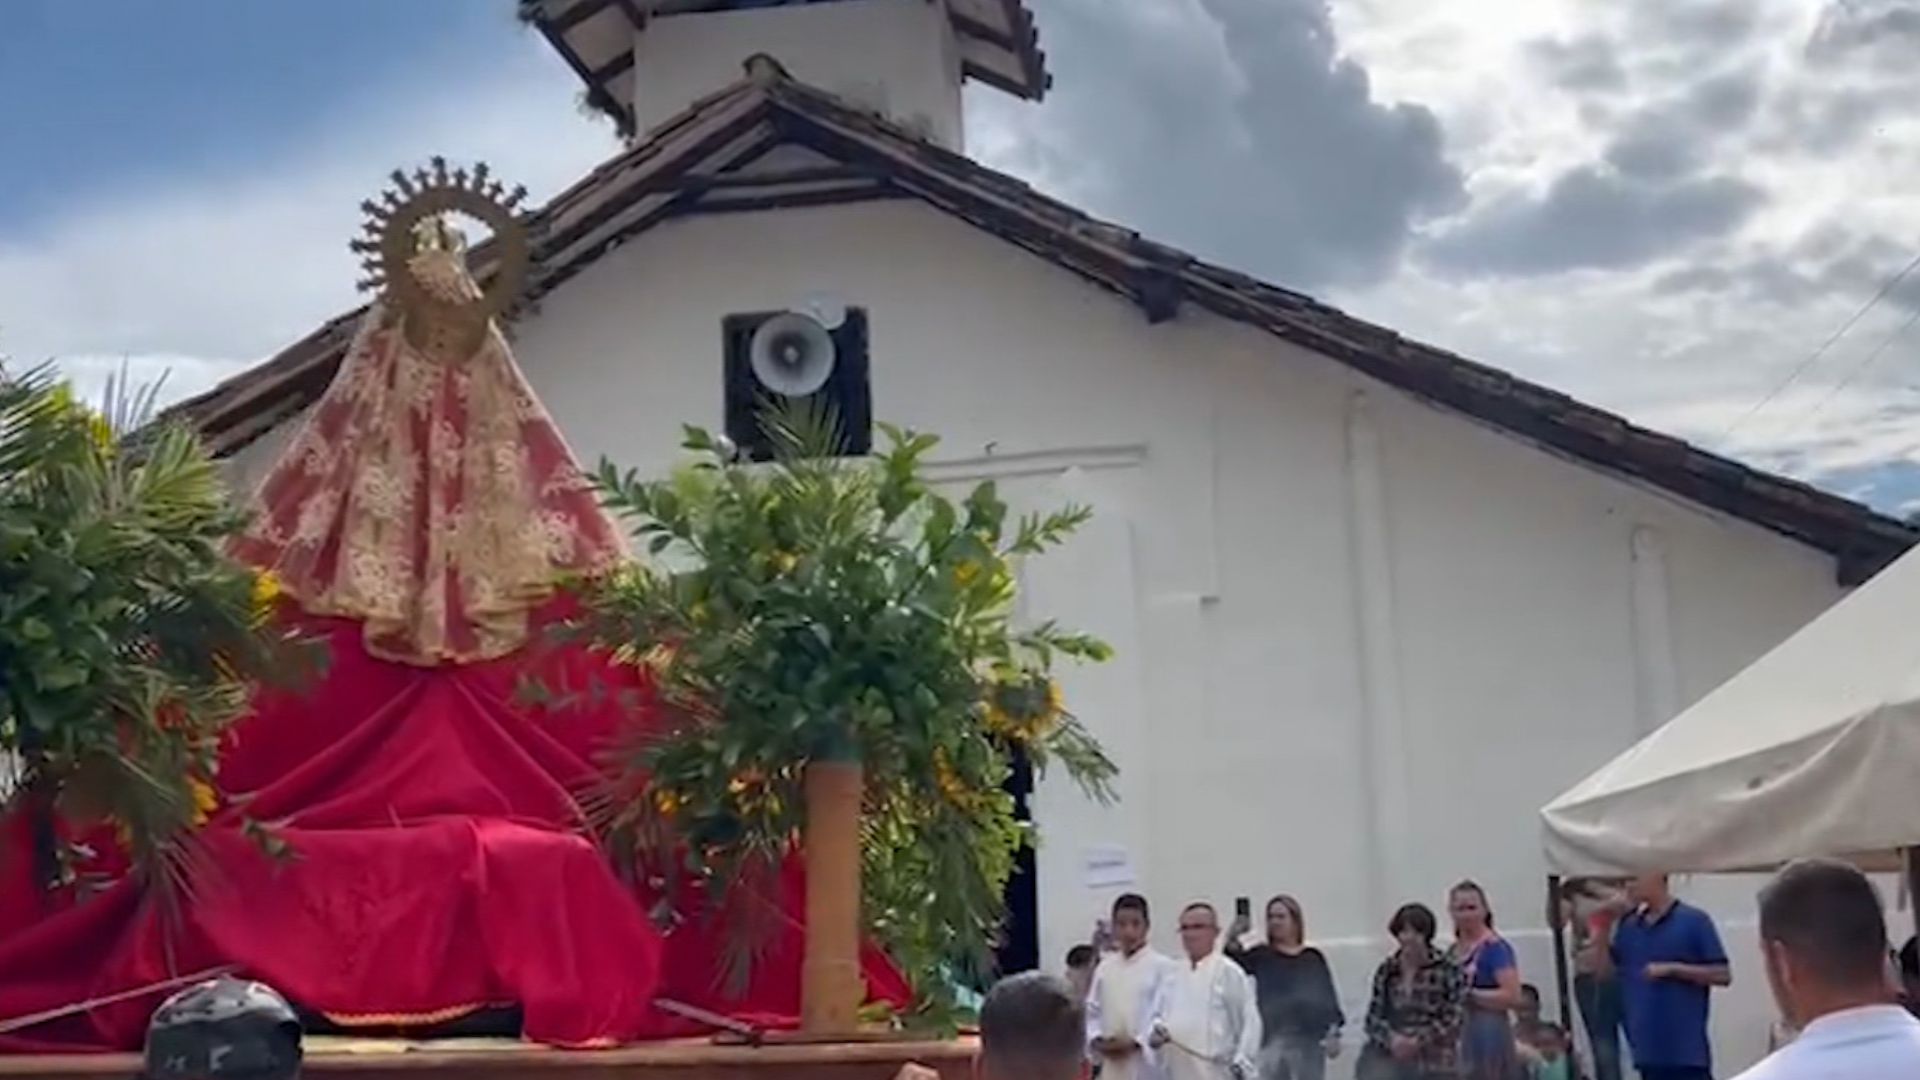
{"x":1877,"y":1042}
{"x":1210,"y":1019}
{"x":1122,"y":1003}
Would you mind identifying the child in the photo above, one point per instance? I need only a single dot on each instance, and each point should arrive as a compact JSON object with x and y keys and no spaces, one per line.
{"x":1527,"y":1013}
{"x":1550,"y":1059}
{"x":1080,"y":962}
{"x":1526,"y":1018}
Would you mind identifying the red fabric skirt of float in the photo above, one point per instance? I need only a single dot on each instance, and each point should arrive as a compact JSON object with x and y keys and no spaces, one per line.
{"x":437,"y":865}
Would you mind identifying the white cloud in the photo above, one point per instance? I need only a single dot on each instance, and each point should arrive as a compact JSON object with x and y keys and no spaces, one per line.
{"x":202,"y":276}
{"x":1694,"y":332}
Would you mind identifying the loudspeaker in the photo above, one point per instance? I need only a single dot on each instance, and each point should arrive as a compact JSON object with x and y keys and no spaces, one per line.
{"x":792,"y":355}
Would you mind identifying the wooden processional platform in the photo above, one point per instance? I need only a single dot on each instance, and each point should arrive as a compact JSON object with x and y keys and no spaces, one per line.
{"x":502,"y":1059}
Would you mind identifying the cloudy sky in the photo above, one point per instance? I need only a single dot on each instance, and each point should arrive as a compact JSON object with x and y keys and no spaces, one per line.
{"x":1678,"y":209}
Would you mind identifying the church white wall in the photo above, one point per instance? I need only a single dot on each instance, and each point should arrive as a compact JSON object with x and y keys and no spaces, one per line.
{"x":1360,"y":639}
{"x":897,"y":57}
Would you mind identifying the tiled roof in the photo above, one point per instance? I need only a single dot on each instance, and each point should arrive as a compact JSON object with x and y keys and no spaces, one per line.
{"x":717,"y":158}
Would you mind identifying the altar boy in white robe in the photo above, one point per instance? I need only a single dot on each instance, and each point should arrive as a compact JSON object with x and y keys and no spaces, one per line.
{"x":1125,"y":997}
{"x":1207,"y":1026}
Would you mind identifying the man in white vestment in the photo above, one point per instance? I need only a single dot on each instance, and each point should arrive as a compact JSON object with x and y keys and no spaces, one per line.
{"x":1824,"y":934}
{"x":1207,"y":1026}
{"x":1125,"y":996}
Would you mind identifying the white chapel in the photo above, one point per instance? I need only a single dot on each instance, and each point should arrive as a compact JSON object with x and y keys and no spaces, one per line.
{"x":1374,"y":603}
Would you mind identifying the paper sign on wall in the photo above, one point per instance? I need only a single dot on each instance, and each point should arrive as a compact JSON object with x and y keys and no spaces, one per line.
{"x":1108,"y":866}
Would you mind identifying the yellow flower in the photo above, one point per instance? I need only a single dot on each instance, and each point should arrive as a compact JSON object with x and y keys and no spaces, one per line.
{"x":947,"y":780}
{"x":785,"y":561}
{"x":1056,"y":702}
{"x":266,"y":590}
{"x":1026,"y":710}
{"x":964,"y":573}
{"x":666,"y":802}
{"x":205,"y":799}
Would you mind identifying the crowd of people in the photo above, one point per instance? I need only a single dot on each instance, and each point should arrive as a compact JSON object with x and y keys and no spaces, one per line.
{"x":1271,"y":1010}
{"x":1647,"y":963}
{"x":1823,"y":932}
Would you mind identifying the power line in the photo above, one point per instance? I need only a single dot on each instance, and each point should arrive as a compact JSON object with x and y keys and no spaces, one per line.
{"x":1825,"y":346}
{"x":1858,"y":370}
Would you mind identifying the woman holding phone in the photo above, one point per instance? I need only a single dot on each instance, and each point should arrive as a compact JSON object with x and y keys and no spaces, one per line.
{"x":1300,"y":1013}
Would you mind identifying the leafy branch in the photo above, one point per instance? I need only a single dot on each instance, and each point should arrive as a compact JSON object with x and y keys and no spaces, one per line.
{"x":819,"y":608}
{"x":129,"y":640}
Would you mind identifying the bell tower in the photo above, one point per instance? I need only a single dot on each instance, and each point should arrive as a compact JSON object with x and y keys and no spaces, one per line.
{"x":646,"y":61}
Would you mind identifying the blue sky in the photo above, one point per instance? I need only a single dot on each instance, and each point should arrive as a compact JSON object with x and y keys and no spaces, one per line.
{"x":126,"y":92}
{"x":1659,"y":206}
{"x":184,"y":177}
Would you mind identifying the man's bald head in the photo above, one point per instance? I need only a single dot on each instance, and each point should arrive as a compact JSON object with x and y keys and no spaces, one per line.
{"x":1032,"y":1027}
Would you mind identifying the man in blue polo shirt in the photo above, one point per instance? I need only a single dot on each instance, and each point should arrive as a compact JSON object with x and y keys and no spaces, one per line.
{"x":1669,"y":958}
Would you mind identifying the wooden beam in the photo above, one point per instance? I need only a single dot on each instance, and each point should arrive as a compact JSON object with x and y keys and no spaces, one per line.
{"x":723,"y":141}
{"x":620,"y":64}
{"x":836,"y":196}
{"x":597,"y":95}
{"x":658,"y":174}
{"x":729,"y":180}
{"x":634,"y":15}
{"x":576,"y":14}
{"x":974,"y":28}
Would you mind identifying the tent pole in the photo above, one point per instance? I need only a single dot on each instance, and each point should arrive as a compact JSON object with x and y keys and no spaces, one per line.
{"x":1913,"y":886}
{"x":1559,"y":924}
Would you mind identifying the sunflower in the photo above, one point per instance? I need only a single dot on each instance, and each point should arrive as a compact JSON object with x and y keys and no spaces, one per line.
{"x":1024,"y":709}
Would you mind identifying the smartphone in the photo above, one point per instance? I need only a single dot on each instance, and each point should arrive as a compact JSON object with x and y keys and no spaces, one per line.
{"x":1242,"y":907}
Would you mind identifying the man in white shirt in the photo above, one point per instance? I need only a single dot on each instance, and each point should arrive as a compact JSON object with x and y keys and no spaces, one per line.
{"x":1207,"y":1026}
{"x":1124,"y":997}
{"x":1825,"y":937}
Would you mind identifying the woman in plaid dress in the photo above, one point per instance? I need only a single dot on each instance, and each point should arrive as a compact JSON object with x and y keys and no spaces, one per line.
{"x":1418,"y":1006}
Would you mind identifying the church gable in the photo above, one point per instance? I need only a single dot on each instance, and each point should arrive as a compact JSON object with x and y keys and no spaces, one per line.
{"x":770,"y":142}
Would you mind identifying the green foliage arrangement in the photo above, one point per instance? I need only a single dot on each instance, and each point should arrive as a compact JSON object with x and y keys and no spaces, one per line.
{"x":129,"y":641}
{"x":828,"y":609}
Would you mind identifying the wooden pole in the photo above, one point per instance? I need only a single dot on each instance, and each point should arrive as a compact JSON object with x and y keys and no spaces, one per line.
{"x":831,"y":985}
{"x":1913,"y":886}
{"x":1562,"y":984}
{"x":18,"y":1023}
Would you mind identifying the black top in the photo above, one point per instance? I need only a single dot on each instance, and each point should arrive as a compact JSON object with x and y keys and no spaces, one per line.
{"x":1295,"y":992}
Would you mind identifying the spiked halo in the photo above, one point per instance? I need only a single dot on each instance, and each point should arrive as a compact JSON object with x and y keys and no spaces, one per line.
{"x":391,"y":227}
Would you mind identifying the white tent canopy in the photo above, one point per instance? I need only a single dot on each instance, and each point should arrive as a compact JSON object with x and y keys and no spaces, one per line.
{"x":1813,"y":750}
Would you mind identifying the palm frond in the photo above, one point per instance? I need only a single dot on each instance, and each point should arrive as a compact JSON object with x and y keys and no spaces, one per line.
{"x":128,"y":639}
{"x":801,"y":429}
